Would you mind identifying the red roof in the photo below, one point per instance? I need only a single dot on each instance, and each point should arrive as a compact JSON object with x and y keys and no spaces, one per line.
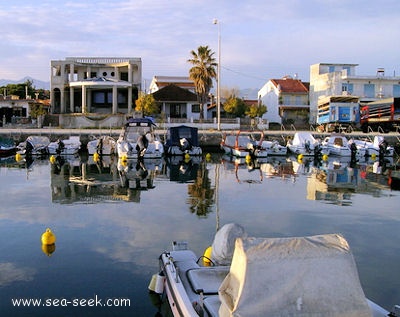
{"x":290,"y":85}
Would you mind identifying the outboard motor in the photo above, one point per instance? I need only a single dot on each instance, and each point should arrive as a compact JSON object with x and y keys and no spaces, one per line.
{"x":353,"y":149}
{"x":141,"y":146}
{"x":60,"y":147}
{"x":184,"y":145}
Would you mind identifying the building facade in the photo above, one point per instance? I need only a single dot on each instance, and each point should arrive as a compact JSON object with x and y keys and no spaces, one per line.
{"x":95,"y":84}
{"x":329,"y":79}
{"x":286,"y":99}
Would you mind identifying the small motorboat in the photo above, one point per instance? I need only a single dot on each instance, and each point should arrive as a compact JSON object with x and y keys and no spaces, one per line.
{"x":103,"y":145}
{"x":274,"y":148}
{"x":70,"y":146}
{"x":138,"y":139}
{"x":247,"y":276}
{"x":305,"y":144}
{"x":34,"y":145}
{"x":337,"y":144}
{"x":7,"y":146}
{"x":182,"y":140}
{"x":378,"y":147}
{"x":242,"y":144}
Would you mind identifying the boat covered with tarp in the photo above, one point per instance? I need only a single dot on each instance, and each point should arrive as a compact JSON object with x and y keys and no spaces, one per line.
{"x":249,"y":276}
{"x":181,"y":140}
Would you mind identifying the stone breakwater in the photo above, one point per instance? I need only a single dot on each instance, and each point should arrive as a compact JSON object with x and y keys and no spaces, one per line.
{"x":208,"y":139}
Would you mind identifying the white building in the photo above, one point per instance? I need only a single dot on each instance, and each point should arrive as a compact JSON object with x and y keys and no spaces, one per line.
{"x":95,"y":84}
{"x":286,"y":100}
{"x":329,"y":79}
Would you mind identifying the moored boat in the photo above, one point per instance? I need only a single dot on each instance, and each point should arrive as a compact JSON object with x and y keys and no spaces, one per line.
{"x":138,"y":139}
{"x":7,"y":146}
{"x":242,"y":144}
{"x":182,"y":140}
{"x":378,"y":147}
{"x":247,"y":276}
{"x":305,"y":144}
{"x":70,"y":146}
{"x":34,"y":145}
{"x":337,"y":144}
{"x":274,"y":148}
{"x":103,"y":145}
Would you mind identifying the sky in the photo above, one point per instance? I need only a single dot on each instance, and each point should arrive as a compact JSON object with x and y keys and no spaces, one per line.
{"x":259,"y":40}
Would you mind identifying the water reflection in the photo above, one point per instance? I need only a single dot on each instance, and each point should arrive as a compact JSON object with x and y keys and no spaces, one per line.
{"x":134,"y":209}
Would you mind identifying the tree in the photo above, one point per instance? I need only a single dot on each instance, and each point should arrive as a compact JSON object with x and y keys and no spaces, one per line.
{"x":202,"y":73}
{"x":256,"y":110}
{"x":146,"y":104}
{"x":235,"y":106}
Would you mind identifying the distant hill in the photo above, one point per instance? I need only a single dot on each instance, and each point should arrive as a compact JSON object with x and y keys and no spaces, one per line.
{"x":38,"y":84}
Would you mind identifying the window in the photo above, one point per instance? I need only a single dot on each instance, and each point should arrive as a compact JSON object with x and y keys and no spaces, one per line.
{"x":347,"y":87}
{"x":369,"y":90}
{"x":396,"y":90}
{"x":196,"y":108}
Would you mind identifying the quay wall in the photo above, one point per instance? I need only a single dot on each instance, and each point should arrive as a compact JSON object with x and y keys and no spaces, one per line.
{"x":209,"y":139}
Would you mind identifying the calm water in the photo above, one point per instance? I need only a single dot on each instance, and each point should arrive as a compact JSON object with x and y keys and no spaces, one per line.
{"x":112,"y":221}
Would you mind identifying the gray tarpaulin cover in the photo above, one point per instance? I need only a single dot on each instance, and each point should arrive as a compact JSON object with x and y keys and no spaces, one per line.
{"x":224,"y":243}
{"x":307,"y":276}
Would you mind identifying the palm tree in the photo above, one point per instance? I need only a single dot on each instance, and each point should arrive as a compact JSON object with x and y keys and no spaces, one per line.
{"x":202,"y":73}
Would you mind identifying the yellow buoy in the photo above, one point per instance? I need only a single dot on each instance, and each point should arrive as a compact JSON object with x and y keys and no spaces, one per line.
{"x":207,"y":256}
{"x":300,"y":157}
{"x":325,"y":157}
{"x":96,"y":157}
{"x":208,"y":157}
{"x":187,"y":156}
{"x":48,"y":237}
{"x":18,"y":157}
{"x":124,"y":158}
{"x":373,"y":156}
{"x":248,"y":158}
{"x":52,"y":159}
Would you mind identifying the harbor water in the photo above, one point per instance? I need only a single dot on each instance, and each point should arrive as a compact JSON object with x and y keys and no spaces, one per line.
{"x":111,"y":221}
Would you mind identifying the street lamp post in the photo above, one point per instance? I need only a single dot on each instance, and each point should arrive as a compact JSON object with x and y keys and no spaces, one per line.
{"x":218,"y":76}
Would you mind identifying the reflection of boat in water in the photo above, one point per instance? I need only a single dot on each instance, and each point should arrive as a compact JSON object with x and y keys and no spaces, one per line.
{"x":240,"y":267}
{"x":70,"y":146}
{"x":182,"y":140}
{"x":34,"y":145}
{"x":238,"y":165}
{"x":183,"y":170}
{"x":242,"y":144}
{"x":138,"y":139}
{"x":278,"y":167}
{"x":138,"y":174}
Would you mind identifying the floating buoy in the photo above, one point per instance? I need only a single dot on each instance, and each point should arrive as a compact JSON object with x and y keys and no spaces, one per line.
{"x":248,"y":158}
{"x":52,"y":159}
{"x":18,"y":157}
{"x":208,"y":157}
{"x":207,"y":256}
{"x":300,"y":157}
{"x":96,"y":157}
{"x":373,"y":156}
{"x":124,"y":158}
{"x":187,"y":156}
{"x":325,"y":157}
{"x":48,"y":237}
